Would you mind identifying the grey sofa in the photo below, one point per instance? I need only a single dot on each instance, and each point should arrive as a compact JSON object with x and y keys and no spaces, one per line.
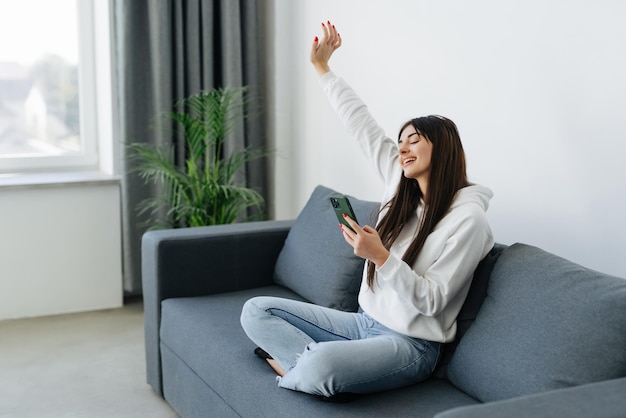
{"x":539,"y":336}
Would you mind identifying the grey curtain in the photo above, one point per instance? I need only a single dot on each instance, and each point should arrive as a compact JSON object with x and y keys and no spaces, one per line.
{"x":167,"y":50}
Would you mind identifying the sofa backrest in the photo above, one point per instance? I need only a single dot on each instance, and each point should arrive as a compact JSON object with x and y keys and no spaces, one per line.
{"x":546,"y":323}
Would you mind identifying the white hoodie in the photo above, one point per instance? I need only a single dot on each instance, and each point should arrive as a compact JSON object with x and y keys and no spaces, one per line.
{"x":422,"y":300}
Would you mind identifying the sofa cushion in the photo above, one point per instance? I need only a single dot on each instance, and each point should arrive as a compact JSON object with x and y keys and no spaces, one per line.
{"x":210,"y":370}
{"x":598,"y":400}
{"x":546,"y":323}
{"x":315,"y":261}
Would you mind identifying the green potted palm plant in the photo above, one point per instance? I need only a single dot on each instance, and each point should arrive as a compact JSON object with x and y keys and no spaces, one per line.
{"x":204,"y":190}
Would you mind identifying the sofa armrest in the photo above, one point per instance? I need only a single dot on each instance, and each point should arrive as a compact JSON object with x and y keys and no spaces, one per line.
{"x":601,"y":399}
{"x":201,"y":261}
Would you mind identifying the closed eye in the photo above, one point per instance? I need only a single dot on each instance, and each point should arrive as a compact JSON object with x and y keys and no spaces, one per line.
{"x":415,"y":141}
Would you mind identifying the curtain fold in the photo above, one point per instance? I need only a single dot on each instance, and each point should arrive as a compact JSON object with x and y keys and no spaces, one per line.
{"x":167,"y":50}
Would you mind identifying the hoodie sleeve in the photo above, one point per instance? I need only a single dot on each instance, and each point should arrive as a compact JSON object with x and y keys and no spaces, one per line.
{"x":379,"y":149}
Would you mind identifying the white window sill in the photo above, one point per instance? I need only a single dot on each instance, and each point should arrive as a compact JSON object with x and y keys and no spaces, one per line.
{"x":61,"y":179}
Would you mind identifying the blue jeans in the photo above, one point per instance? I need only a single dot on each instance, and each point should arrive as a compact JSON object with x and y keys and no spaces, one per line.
{"x":326,"y":351}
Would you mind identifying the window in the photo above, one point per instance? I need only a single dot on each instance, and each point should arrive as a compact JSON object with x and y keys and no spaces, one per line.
{"x":49,"y":85}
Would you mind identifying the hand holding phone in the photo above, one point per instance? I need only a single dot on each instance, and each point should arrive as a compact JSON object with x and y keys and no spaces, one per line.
{"x":367,"y":244}
{"x":341,"y":205}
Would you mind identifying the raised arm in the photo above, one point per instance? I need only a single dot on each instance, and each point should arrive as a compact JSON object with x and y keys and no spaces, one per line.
{"x":378,"y":148}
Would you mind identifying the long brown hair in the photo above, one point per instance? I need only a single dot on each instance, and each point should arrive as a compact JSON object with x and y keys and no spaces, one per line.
{"x":447,"y":177}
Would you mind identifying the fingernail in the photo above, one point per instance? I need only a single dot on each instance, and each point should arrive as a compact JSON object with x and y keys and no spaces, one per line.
{"x":345,"y":216}
{"x":316,"y":39}
{"x":333,"y":26}
{"x":323,"y":24}
{"x":328,"y":22}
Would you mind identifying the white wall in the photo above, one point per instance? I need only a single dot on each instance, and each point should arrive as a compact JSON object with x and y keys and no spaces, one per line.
{"x":59,"y":248}
{"x":537,"y":89}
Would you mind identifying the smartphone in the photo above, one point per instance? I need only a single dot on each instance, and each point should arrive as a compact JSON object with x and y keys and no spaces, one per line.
{"x":341,"y":205}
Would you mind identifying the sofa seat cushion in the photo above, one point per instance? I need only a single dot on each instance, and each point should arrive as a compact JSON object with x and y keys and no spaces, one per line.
{"x":546,"y":323}
{"x":201,"y":338}
{"x":316,"y":262}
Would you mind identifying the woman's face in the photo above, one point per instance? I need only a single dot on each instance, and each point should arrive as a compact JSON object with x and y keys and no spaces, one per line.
{"x":415,"y":152}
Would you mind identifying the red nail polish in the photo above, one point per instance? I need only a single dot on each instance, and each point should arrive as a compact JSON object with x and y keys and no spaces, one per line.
{"x":316,"y":39}
{"x":323,"y":24}
{"x":345,"y":216}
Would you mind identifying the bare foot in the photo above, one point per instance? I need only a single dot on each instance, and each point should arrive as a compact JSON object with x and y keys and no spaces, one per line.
{"x":274,"y":365}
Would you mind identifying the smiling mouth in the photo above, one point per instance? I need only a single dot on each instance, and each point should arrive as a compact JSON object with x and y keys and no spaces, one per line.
{"x":408,"y":161}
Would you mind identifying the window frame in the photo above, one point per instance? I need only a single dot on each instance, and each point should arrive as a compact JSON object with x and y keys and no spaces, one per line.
{"x":94,"y":54}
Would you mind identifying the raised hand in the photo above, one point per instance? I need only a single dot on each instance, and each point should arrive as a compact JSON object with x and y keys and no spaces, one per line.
{"x":323,"y":49}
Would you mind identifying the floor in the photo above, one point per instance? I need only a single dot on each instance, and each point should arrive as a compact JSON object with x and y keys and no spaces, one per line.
{"x":77,"y":365}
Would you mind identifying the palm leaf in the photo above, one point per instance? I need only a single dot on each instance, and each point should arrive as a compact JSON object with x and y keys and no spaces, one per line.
{"x":204,"y":190}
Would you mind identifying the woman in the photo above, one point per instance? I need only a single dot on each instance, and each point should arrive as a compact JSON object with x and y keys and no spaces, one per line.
{"x":430,"y":236}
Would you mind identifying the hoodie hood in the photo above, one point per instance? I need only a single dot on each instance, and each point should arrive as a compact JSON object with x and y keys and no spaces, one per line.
{"x":476,"y":194}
